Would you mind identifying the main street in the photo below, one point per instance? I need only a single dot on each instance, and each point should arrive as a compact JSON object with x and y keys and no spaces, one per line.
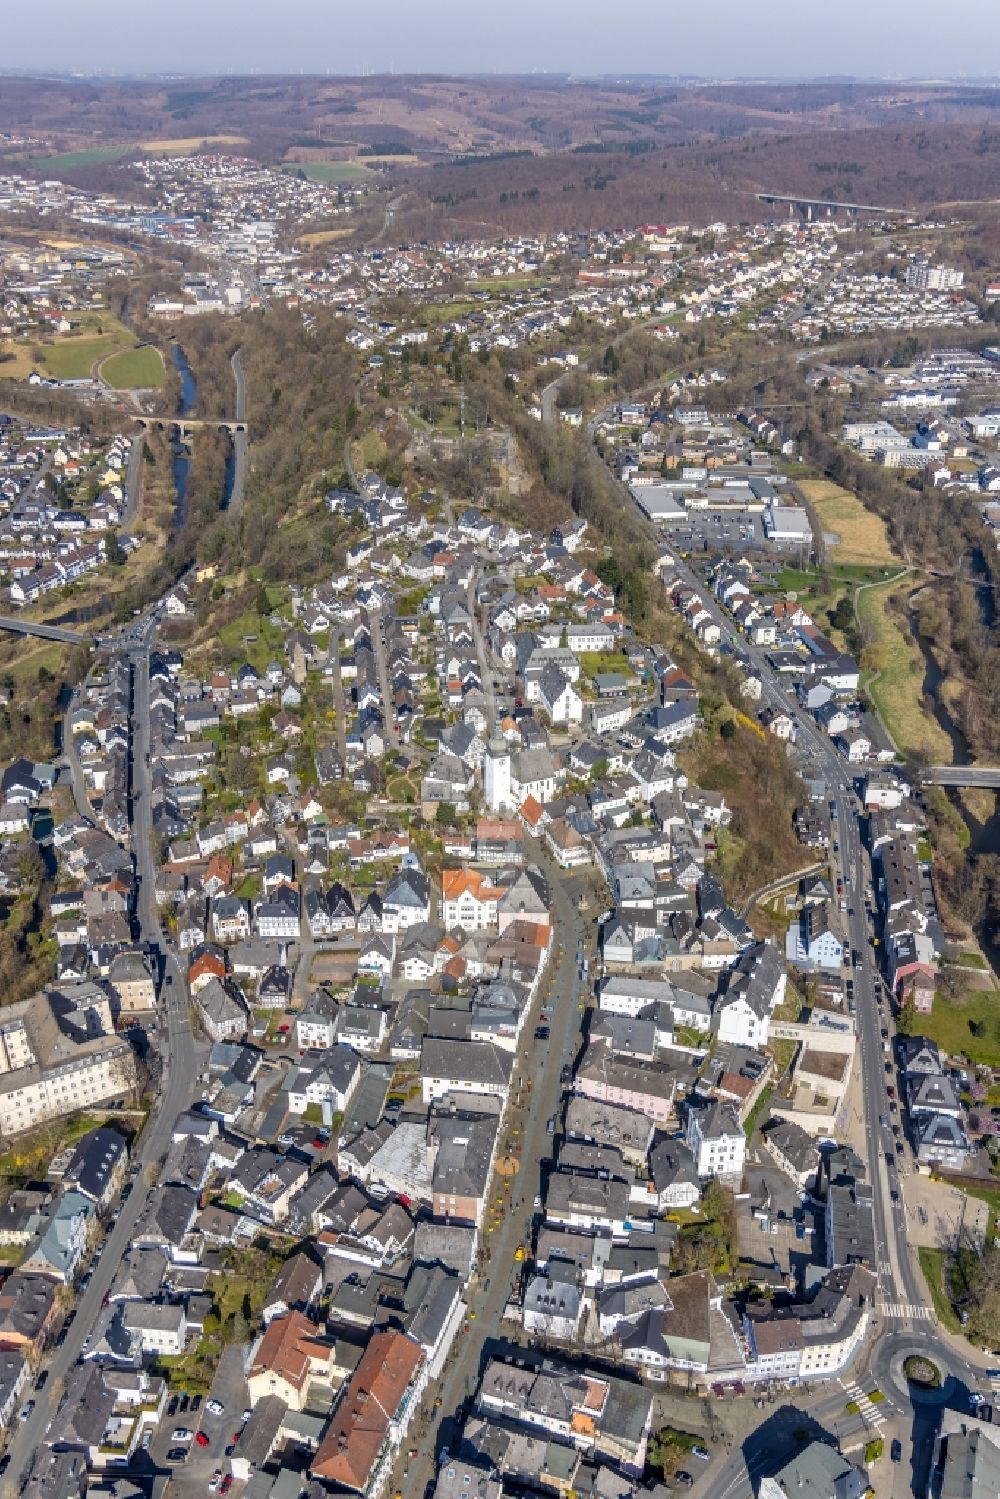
{"x":536,"y":1091}
{"x":903,"y":1306}
{"x":179,"y":1069}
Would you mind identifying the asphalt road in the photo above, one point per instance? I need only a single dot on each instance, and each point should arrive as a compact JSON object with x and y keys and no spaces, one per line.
{"x":133,"y":480}
{"x":485,"y":670}
{"x":384,"y":685}
{"x":179,"y":1070}
{"x":987,"y":776}
{"x":901,"y":1285}
{"x":45,"y":632}
{"x":507,"y":1221}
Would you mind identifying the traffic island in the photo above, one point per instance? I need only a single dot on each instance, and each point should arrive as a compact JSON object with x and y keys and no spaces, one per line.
{"x":922,"y":1372}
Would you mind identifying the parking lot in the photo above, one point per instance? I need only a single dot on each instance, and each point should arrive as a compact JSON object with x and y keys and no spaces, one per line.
{"x":730,"y":530}
{"x":193,"y":1474}
{"x":937,"y":1213}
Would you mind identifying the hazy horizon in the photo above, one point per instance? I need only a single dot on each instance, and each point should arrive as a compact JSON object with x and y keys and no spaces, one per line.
{"x":868,"y":39}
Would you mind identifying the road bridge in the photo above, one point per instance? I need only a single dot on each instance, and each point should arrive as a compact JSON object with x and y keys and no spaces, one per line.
{"x":809,"y":206}
{"x":987,"y":777}
{"x":44,"y":632}
{"x":186,"y":425}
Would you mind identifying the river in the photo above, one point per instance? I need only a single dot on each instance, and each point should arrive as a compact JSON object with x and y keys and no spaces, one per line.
{"x":182,"y":452}
{"x":185,"y":407}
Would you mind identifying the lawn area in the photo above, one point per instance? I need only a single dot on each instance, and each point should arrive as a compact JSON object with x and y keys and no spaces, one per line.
{"x":862,"y":534}
{"x":21,"y":360}
{"x":92,"y":156}
{"x":134,"y":369}
{"x":72,"y":358}
{"x":594,"y":662}
{"x":954,"y":1024}
{"x":757,"y":1112}
{"x":371,"y":449}
{"x":934,"y":1263}
{"x":897,"y":688}
{"x":267,"y":644}
{"x":329,"y":171}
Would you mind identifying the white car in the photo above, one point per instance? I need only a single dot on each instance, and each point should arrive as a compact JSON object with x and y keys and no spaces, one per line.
{"x":182,"y":1434}
{"x":215,"y":1407}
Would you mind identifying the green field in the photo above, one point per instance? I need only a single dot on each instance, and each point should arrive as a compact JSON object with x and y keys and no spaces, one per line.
{"x":951,"y":1025}
{"x":134,"y":369}
{"x":74,"y":358}
{"x":896,"y":686}
{"x":329,"y":171}
{"x":53,"y":165}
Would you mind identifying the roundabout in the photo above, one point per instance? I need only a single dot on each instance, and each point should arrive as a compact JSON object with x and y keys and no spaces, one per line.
{"x":913,"y":1369}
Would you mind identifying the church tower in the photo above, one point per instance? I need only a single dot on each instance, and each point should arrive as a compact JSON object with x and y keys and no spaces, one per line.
{"x":496,"y":775}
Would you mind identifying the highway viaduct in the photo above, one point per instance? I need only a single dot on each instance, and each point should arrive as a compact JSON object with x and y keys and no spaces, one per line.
{"x":808,"y":207}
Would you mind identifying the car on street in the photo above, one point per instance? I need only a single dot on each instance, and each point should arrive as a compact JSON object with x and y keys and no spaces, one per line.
{"x":896,"y":1450}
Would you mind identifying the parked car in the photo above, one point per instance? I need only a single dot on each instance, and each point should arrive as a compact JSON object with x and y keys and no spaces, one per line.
{"x":201,"y":1439}
{"x":214,"y":1407}
{"x":177,"y":1454}
{"x":181,"y":1434}
{"x":701,"y":1452}
{"x":26,"y":1411}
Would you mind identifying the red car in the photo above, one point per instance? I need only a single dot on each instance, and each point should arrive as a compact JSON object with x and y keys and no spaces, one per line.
{"x":226,"y":1484}
{"x":201,"y":1439}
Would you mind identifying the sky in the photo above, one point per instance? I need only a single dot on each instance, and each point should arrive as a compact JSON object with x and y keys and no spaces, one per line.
{"x":712,"y":38}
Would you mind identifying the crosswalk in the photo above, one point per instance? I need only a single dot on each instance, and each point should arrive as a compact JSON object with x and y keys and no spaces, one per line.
{"x":870,"y":1414}
{"x":907,"y":1311}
